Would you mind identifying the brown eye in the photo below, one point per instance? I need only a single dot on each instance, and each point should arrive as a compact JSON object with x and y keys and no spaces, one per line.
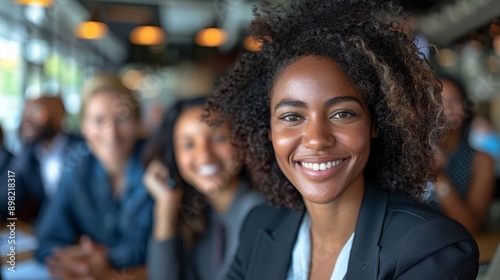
{"x":291,"y":117}
{"x":342,"y":115}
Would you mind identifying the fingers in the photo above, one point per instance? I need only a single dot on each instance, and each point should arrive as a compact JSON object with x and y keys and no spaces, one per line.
{"x":158,"y":170}
{"x":155,"y":178}
{"x":69,"y":262}
{"x":156,"y":181}
{"x":87,"y":244}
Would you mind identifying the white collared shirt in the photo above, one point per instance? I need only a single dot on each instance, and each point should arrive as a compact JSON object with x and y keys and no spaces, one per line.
{"x":301,"y":255}
{"x":51,"y":163}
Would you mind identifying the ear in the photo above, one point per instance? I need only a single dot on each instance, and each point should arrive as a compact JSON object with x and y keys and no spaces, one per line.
{"x":374,"y":132}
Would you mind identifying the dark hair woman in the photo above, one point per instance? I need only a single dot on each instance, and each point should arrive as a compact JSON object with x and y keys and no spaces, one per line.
{"x":339,"y":119}
{"x":201,"y":196}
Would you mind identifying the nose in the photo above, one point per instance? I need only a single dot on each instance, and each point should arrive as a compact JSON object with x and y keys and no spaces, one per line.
{"x":205,"y":152}
{"x":318,"y":135}
{"x":109,"y":130}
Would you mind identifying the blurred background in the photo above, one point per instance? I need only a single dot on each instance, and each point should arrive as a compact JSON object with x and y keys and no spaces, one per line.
{"x":163,"y":49}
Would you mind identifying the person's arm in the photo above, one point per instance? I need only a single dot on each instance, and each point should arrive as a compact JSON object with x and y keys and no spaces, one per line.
{"x":164,"y":259}
{"x":165,"y":250}
{"x":57,"y":227}
{"x":472,"y":210}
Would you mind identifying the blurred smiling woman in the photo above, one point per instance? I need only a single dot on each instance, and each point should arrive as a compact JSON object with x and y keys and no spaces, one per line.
{"x":201,"y":196}
{"x":101,"y":218}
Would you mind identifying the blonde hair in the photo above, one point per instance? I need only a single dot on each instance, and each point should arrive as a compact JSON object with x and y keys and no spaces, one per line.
{"x":109,"y":83}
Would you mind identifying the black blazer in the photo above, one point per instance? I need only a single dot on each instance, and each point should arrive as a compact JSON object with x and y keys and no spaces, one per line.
{"x":395,"y":239}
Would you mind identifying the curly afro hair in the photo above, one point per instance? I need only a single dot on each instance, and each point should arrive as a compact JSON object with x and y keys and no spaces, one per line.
{"x":369,"y":41}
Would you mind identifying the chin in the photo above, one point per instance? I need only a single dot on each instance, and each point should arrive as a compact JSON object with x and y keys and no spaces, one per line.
{"x":211,"y":190}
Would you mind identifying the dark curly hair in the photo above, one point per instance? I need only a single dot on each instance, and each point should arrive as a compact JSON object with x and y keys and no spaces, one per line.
{"x":369,"y":41}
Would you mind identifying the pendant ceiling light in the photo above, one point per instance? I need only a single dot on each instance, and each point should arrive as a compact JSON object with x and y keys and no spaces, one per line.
{"x":92,"y":29}
{"x":148,"y":35}
{"x":211,"y":37}
{"x":42,"y":3}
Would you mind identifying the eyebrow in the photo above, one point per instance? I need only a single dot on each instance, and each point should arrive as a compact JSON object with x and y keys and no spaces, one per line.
{"x":330,"y":102}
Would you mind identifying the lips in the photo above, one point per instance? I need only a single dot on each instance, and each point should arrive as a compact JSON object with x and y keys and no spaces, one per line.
{"x":317,"y":166}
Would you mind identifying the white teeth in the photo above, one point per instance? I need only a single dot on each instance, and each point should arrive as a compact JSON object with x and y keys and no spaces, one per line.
{"x":315,"y":166}
{"x":321,"y":166}
{"x":207,"y":170}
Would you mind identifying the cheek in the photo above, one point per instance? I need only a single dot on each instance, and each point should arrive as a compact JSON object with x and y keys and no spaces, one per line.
{"x":358,"y":143}
{"x":284,"y":144}
{"x":283,"y":139}
{"x":128,"y":132}
{"x":228,"y":155}
{"x":182,"y":160}
{"x":91,"y":132}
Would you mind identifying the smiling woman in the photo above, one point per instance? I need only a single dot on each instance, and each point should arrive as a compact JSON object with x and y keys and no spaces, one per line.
{"x":321,"y":140}
{"x":339,"y":119}
{"x":85,"y":231}
{"x":201,"y":196}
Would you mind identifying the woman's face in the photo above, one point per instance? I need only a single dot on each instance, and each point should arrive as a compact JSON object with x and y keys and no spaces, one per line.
{"x":110,"y":128}
{"x":205,"y":156}
{"x":320,"y":129}
{"x":453,"y":103}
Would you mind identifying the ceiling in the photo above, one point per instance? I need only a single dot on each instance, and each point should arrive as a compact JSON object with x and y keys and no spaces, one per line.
{"x":181,"y":19}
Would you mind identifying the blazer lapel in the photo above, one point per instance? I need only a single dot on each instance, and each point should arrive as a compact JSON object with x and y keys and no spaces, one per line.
{"x":274,"y":247}
{"x":365,"y":252}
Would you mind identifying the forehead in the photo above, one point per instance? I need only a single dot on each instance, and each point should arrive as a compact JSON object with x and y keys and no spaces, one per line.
{"x":189,"y":123}
{"x":106,"y":103}
{"x":313,"y":78}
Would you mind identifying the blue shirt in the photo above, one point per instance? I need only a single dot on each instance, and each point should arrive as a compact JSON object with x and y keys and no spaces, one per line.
{"x":85,"y":205}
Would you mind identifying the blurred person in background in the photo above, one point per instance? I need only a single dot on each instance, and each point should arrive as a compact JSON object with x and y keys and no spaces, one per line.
{"x":201,"y":196}
{"x":5,"y":155}
{"x":100,"y":219}
{"x":483,"y":137}
{"x":466,"y":177}
{"x":45,"y":149}
{"x":5,"y":158}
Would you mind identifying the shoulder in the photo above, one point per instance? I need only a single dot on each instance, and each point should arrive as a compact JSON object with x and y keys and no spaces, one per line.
{"x":267,"y":218}
{"x":266,"y":215}
{"x":428,"y":235}
{"x":403,"y":212}
{"x":78,"y":166}
{"x":249,"y":200}
{"x":482,"y":159}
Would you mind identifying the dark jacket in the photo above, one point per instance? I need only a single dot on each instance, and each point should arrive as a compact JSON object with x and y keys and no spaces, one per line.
{"x":30,"y":193}
{"x":395,"y":239}
{"x":85,"y":205}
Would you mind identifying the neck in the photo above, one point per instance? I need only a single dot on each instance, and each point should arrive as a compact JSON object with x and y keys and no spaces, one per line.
{"x":47,"y":140}
{"x":223,"y":199}
{"x":117,"y":183}
{"x":336,"y":221}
